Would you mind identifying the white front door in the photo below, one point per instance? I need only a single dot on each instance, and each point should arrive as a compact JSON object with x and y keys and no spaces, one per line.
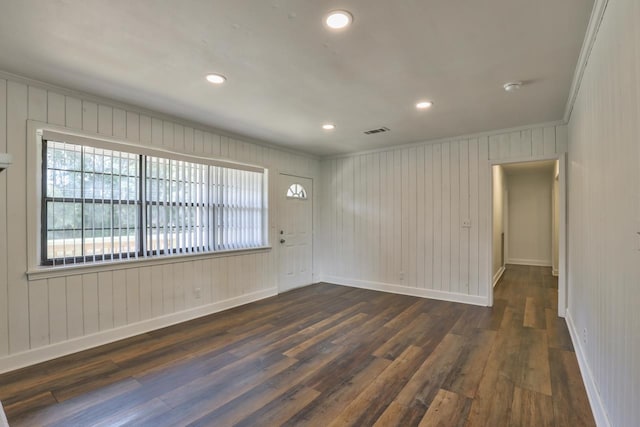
{"x":295,"y":229}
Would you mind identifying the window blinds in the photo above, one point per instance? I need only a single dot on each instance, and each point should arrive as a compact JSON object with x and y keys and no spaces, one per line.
{"x":102,"y":204}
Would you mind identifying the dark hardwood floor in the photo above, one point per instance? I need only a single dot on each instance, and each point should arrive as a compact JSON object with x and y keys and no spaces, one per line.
{"x":326,"y":355}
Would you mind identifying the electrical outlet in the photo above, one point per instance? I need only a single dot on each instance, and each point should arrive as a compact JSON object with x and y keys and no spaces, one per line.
{"x":402,"y":275}
{"x":466,"y":223}
{"x":584,"y":336}
{"x":198,"y":293}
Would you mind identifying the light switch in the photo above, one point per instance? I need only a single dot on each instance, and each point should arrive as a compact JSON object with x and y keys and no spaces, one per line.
{"x":466,"y":223}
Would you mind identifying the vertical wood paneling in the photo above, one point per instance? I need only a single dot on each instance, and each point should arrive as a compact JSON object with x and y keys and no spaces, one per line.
{"x":484,"y":229}
{"x":167,"y":135}
{"x":168,"y":297}
{"x":119,"y":298}
{"x":445,"y":283}
{"x":463,"y":280}
{"x":18,"y":289}
{"x":105,"y":300}
{"x":474,"y":186}
{"x":55,"y":109}
{"x":73,"y":112}
{"x":41,"y":312}
{"x":57,"y":309}
{"x":412,"y":245}
{"x":145,"y":129}
{"x":604,"y":215}
{"x":90,"y":116}
{"x":156,"y":132}
{"x":105,"y":120}
{"x":37,"y":104}
{"x":90,"y":304}
{"x":157,"y":292}
{"x":39,"y":308}
{"x":4,"y":300}
{"x":132,"y":295}
{"x":549,"y":142}
{"x":537,"y":141}
{"x":146,"y":298}
{"x":396,"y":234}
{"x":421,"y":238}
{"x":133,"y":126}
{"x":437,"y":217}
{"x":454,"y":257}
{"x":119,"y":123}
{"x":429,"y":200}
{"x":74,"y":306}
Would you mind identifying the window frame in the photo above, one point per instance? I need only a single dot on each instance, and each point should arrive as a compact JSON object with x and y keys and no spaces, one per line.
{"x":39,"y":132}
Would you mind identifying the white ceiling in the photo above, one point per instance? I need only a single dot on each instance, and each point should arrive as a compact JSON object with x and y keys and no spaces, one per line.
{"x":287,"y":74}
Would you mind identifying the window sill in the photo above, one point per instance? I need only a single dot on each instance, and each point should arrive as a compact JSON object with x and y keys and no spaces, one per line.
{"x":47,"y":272}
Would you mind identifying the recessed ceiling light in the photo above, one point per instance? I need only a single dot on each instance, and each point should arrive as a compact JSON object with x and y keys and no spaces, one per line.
{"x":216,"y":79}
{"x":422,"y":105}
{"x":512,"y":86}
{"x":328,"y":126}
{"x":338,"y":19}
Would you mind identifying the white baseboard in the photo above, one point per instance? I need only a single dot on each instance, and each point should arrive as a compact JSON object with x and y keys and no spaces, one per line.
{"x":524,"y":261}
{"x":42,"y":354}
{"x":406,"y":290}
{"x":597,"y":407}
{"x":497,"y":276}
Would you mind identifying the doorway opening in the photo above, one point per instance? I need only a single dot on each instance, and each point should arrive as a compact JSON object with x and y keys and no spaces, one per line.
{"x":529,"y":222}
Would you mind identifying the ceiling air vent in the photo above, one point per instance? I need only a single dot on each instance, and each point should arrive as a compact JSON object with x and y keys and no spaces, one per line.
{"x":379,"y":130}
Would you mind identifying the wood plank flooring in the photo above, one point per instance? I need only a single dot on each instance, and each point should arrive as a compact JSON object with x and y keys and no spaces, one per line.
{"x":326,"y":355}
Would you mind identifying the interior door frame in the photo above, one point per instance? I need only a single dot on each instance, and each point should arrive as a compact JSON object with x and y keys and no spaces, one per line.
{"x":280,"y":209}
{"x":562,"y":229}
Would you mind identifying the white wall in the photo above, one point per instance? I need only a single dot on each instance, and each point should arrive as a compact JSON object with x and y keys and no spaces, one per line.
{"x":604,"y":216}
{"x":392,"y":219}
{"x":50,"y":316}
{"x":530,"y":217}
{"x":499,"y":214}
{"x":555,"y":226}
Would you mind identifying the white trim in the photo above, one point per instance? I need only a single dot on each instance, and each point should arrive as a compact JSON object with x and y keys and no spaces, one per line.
{"x":525,"y":261}
{"x":597,"y":13}
{"x":48,"y":272}
{"x":150,"y":113}
{"x":597,"y":407}
{"x":406,"y":290}
{"x":497,"y":276}
{"x":446,"y":139}
{"x":554,"y":272}
{"x":42,"y":354}
{"x":526,"y":159}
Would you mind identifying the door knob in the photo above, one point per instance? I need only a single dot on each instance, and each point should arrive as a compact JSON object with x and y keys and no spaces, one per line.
{"x":282,"y":240}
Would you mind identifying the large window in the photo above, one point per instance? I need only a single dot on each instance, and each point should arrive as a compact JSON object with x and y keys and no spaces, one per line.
{"x":100,"y":204}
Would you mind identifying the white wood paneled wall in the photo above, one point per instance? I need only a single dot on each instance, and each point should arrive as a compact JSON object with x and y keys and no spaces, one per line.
{"x":38,"y":313}
{"x":604,"y":218}
{"x":392,"y":220}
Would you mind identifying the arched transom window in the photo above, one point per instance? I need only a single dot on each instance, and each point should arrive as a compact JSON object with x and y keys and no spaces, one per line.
{"x":297,"y":191}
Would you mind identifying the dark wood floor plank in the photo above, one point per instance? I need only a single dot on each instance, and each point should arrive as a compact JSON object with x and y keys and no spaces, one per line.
{"x":332,"y":401}
{"x":371,"y":403}
{"x":448,"y":409}
{"x":468,"y":368}
{"x":326,"y":354}
{"x":570,"y":401}
{"x":531,"y":409}
{"x":534,"y":316}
